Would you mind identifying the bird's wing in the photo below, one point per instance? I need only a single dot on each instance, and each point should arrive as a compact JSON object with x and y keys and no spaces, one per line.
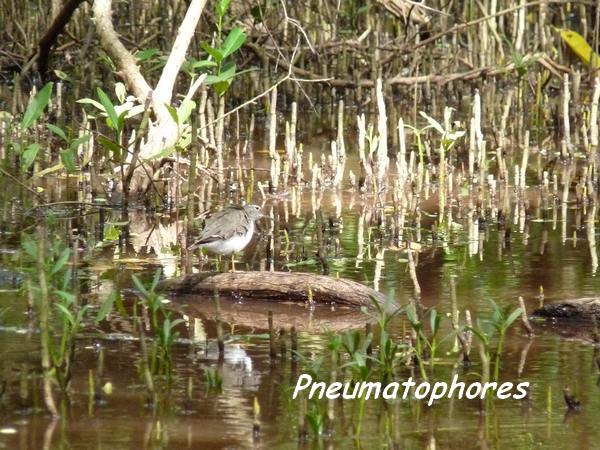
{"x":216,"y":227}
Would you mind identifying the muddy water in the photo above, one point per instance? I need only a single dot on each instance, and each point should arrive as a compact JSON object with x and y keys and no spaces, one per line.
{"x":545,"y":248}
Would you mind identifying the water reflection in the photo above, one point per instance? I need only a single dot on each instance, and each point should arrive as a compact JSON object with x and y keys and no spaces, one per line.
{"x":501,"y":244}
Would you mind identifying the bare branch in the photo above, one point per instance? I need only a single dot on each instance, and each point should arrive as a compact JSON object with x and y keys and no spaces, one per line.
{"x":164,"y":88}
{"x":125,"y":61}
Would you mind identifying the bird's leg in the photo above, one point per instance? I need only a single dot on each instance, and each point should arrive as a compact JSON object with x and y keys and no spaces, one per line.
{"x":232,"y":263}
{"x":218,"y":263}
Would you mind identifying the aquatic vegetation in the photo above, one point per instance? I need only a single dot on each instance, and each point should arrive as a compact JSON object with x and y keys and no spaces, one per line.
{"x":356,"y":348}
{"x":214,"y":380}
{"x":315,"y":417}
{"x":497,"y":324}
{"x":27,"y":153}
{"x":162,"y":327}
{"x":388,"y":350}
{"x":219,"y":59}
{"x":426,"y":347}
{"x":48,"y":285}
{"x":352,"y":350}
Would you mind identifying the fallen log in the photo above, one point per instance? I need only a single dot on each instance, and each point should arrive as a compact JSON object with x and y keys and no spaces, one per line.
{"x":276,"y":286}
{"x":576,"y":309}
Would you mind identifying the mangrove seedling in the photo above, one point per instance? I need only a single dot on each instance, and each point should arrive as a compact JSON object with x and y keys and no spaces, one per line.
{"x":45,"y":263}
{"x":214,"y":380}
{"x":163,"y":327}
{"x":316,"y":419}
{"x":356,"y":347}
{"x":36,"y":107}
{"x":499,"y":323}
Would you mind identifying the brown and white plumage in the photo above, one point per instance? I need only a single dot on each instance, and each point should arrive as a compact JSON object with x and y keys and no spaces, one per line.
{"x":229,"y":230}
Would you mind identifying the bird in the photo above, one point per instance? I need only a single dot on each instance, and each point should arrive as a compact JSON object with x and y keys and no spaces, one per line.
{"x":229,"y":230}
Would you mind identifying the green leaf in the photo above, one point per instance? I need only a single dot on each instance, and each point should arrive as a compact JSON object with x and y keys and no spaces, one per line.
{"x":221,"y":7}
{"x":107,"y":306}
{"x":80,"y":315}
{"x":91,"y":101}
{"x":497,"y":312}
{"x":16,"y":147}
{"x":120,"y":91}
{"x":433,"y":123}
{"x":173,"y":113}
{"x":513,"y":316}
{"x":121,"y":306}
{"x":113,"y":121}
{"x":185,"y":110}
{"x":479,"y":334}
{"x":222,"y":86}
{"x":203,"y":64}
{"x":67,"y":297}
{"x":156,"y":279}
{"x":37,"y":106}
{"x":111,"y":233}
{"x":62,"y":75}
{"x":226,"y":73}
{"x":157,"y":66}
{"x":223,"y":80}
{"x":235,"y":39}
{"x":110,"y":146}
{"x":29,"y":246}
{"x":411,"y":314}
{"x":146,"y":54}
{"x":434,"y":321}
{"x":121,"y":120}
{"x":215,"y":53}
{"x":67,"y":158}
{"x":185,"y":140}
{"x":79,"y":141}
{"x":29,"y":155}
{"x":67,"y":276}
{"x":135,"y":110}
{"x":175,"y":323}
{"x":58,"y":131}
{"x":66,"y":314}
{"x":61,"y":261}
{"x":139,"y":285}
{"x":104,"y":57}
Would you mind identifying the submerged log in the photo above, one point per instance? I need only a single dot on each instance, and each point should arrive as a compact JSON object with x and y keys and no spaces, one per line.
{"x":276,"y":286}
{"x":576,"y":309}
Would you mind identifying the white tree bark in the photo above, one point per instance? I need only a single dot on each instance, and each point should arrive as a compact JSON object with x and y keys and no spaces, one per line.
{"x":164,"y":88}
{"x":164,"y":131}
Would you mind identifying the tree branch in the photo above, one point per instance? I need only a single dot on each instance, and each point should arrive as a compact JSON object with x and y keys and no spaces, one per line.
{"x":42,"y":54}
{"x":164,"y":88}
{"x":124,"y":60}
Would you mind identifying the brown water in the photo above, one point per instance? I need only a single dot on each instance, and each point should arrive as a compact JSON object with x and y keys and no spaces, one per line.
{"x":545,"y":249}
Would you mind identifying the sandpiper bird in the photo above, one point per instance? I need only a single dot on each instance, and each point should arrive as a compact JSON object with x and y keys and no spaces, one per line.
{"x":229,"y":230}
